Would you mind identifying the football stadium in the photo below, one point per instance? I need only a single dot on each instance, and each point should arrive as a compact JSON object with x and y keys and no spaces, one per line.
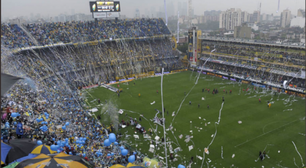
{"x":119,"y":93}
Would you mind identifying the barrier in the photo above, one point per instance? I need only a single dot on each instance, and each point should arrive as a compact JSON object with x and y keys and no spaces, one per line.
{"x":88,"y":87}
{"x":263,"y":84}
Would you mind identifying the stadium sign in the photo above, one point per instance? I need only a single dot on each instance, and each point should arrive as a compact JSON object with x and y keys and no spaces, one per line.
{"x":104,"y":6}
{"x":99,"y":15}
{"x":233,"y":79}
{"x":246,"y":82}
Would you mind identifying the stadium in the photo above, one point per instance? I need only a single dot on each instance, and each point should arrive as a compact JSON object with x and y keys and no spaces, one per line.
{"x":118,"y":93}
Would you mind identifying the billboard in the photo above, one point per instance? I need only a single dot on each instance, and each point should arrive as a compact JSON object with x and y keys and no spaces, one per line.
{"x":105,"y":15}
{"x":99,"y":15}
{"x":199,"y":44}
{"x":104,"y":6}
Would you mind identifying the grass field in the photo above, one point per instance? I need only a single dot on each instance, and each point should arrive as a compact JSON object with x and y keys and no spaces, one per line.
{"x":262,"y":128}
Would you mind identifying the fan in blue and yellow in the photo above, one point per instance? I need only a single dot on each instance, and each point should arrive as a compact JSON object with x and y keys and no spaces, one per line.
{"x":42,"y":149}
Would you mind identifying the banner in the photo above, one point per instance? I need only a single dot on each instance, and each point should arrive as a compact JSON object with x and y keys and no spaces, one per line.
{"x":112,"y":15}
{"x":98,"y":15}
{"x":233,"y":79}
{"x":224,"y":77}
{"x":199,"y":44}
{"x":246,"y":82}
{"x":274,"y":89}
{"x":259,"y":85}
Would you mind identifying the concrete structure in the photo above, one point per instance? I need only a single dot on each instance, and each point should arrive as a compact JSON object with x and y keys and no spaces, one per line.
{"x":243,"y":31}
{"x":190,"y":9}
{"x":245,"y":17}
{"x":184,"y":9}
{"x":137,"y":13}
{"x":252,"y":26}
{"x":301,"y":13}
{"x":255,"y":17}
{"x":194,"y":21}
{"x":230,"y":18}
{"x":285,"y":18}
{"x":297,"y":22}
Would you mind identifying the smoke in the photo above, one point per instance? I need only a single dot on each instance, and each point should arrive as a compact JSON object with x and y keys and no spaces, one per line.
{"x":110,"y":111}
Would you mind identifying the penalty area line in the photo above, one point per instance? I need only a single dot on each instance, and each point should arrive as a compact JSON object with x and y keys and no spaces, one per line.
{"x":266,"y":133}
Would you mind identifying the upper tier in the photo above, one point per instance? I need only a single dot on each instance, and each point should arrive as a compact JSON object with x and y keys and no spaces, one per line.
{"x":14,"y":36}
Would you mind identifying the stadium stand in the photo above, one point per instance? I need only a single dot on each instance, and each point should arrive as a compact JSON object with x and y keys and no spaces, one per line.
{"x":61,"y":71}
{"x":74,"y":32}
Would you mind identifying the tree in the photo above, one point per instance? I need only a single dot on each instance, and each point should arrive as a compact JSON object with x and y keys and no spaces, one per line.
{"x":183,"y":47}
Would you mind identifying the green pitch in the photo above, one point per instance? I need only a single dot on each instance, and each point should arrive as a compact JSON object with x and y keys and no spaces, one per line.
{"x":262,"y":128}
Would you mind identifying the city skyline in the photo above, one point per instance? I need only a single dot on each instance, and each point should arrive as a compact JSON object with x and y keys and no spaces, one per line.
{"x":9,"y":9}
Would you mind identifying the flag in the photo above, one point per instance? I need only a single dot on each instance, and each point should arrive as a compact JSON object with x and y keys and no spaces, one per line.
{"x":7,"y":81}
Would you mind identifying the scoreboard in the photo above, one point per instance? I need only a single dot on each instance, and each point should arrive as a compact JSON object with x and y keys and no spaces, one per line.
{"x":104,"y":6}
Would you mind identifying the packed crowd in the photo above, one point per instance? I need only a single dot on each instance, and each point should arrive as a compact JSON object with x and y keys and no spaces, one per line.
{"x":13,"y":36}
{"x":258,"y":64}
{"x":256,"y":74}
{"x":89,"y":64}
{"x":267,"y":54}
{"x":56,"y":107}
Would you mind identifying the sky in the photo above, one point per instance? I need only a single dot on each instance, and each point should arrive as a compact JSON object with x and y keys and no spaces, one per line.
{"x":51,"y":8}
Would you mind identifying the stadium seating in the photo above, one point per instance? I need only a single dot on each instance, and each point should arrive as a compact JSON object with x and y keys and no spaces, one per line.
{"x":264,"y":54}
{"x":13,"y":36}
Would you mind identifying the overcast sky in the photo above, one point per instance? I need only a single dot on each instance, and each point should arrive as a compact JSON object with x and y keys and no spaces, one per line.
{"x":16,"y":8}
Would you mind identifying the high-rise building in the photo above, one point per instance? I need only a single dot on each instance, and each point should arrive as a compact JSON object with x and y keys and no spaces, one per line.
{"x":184,"y":9}
{"x":255,"y":17}
{"x":230,"y":18}
{"x":245,"y":17}
{"x":137,"y":13}
{"x":301,"y":13}
{"x":285,"y":18}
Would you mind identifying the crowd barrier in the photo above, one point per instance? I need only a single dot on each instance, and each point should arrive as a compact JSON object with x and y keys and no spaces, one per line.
{"x":256,"y":83}
{"x":143,"y":75}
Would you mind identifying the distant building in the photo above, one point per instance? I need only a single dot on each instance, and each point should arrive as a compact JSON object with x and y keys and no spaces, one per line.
{"x":252,"y":26}
{"x":212,"y":15}
{"x":184,"y":9}
{"x":210,"y":18}
{"x":301,"y":13}
{"x":255,"y":17}
{"x":242,"y":31}
{"x":298,"y":22}
{"x":245,"y":17}
{"x":230,"y":18}
{"x":137,"y":13}
{"x":285,"y":18}
{"x":266,"y":17}
{"x":194,"y":21}
{"x":182,"y":40}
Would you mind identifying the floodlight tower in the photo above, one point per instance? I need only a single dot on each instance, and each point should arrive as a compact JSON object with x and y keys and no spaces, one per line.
{"x":165,"y":5}
{"x":178,"y":27}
